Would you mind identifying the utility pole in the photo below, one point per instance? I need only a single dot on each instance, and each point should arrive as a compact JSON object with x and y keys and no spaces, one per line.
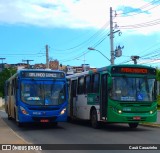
{"x":111,"y":37}
{"x":47,"y":58}
{"x":118,"y":52}
{"x":27,"y":62}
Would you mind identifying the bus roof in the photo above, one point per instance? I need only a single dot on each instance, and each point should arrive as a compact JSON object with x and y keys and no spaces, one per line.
{"x":127,"y":69}
{"x":110,"y":67}
{"x":39,"y":70}
{"x":79,"y":74}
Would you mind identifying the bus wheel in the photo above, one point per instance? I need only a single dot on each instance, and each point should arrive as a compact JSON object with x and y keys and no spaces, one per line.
{"x":55,"y":123}
{"x":19,"y":124}
{"x":133,"y":125}
{"x":9,"y":117}
{"x":94,"y":120}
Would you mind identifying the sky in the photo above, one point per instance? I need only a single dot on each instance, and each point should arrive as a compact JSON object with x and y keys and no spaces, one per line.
{"x":70,"y":27}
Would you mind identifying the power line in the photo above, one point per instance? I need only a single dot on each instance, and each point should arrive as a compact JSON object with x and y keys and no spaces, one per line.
{"x":21,"y":54}
{"x":140,"y":8}
{"x":142,"y":25}
{"x":99,"y":32}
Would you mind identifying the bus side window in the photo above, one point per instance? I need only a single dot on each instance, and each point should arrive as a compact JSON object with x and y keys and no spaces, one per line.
{"x":87,"y":84}
{"x":74,"y":88}
{"x":12,"y":87}
{"x":6,"y":88}
{"x":80,"y":85}
{"x":95,"y":80}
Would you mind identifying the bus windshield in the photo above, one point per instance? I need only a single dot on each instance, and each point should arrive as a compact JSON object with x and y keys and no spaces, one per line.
{"x":133,"y":89}
{"x":42,"y":94}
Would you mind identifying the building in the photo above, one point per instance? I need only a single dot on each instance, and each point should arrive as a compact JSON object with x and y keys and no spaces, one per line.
{"x":54,"y":65}
{"x":39,"y":66}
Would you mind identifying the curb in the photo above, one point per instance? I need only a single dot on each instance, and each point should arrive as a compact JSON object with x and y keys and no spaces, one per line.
{"x":150,"y":125}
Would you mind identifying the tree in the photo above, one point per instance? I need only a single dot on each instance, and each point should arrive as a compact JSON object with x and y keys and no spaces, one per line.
{"x":158,"y":79}
{"x":158,"y":75}
{"x":4,"y":75}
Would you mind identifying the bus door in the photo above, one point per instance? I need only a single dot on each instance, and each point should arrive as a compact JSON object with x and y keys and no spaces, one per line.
{"x":73,"y":98}
{"x":104,"y":97}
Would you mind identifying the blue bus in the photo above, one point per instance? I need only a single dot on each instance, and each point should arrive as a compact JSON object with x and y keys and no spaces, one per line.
{"x":36,"y":96}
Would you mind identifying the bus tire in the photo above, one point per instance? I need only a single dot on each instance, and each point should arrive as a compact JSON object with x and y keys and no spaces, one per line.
{"x":55,"y":123}
{"x":19,"y":124}
{"x":8,"y":116}
{"x":133,"y":125}
{"x":94,"y":119}
{"x":69,"y":119}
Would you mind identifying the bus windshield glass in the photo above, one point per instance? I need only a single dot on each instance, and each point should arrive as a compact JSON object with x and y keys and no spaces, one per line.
{"x":133,"y":89}
{"x":42,"y":93}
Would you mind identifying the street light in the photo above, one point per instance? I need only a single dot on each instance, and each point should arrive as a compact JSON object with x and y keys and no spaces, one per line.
{"x":90,"y":48}
{"x":134,"y":58}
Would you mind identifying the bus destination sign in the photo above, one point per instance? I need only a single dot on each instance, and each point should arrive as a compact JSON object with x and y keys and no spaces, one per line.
{"x":133,"y":70}
{"x":43,"y":74}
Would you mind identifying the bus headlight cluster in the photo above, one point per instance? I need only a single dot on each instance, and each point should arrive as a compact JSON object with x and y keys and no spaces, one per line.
{"x":119,"y":111}
{"x":151,"y":112}
{"x":23,"y":111}
{"x":63,"y":111}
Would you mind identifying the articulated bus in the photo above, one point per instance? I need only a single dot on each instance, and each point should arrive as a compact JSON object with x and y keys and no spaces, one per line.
{"x":116,"y":93}
{"x":36,"y":96}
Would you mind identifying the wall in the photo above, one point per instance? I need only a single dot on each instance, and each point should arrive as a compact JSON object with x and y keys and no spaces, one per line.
{"x":1,"y":101}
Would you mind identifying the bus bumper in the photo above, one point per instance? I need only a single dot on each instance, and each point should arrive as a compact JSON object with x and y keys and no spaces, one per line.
{"x":132,"y":117}
{"x":43,"y":116}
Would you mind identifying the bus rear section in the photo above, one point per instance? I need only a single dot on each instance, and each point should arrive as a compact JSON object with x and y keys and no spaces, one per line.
{"x":37,"y":96}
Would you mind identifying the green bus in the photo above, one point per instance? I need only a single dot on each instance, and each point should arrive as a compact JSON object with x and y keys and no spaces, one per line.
{"x":115,"y":93}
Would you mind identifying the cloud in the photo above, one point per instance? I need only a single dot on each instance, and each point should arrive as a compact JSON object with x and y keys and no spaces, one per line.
{"x":78,"y":13}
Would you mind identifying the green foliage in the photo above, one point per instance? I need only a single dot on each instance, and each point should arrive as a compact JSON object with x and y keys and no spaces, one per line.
{"x":158,"y":74}
{"x":158,"y":100}
{"x":158,"y":79}
{"x":4,"y":75}
{"x":1,"y":94}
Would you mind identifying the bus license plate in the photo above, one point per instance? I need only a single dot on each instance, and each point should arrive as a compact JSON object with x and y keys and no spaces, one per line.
{"x":44,"y":120}
{"x":137,"y":118}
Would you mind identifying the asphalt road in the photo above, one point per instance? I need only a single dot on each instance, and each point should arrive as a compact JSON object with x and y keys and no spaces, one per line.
{"x":82,"y":133}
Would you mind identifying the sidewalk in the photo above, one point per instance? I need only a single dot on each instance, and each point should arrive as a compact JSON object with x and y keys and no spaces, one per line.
{"x":155,"y":124}
{"x":7,"y":136}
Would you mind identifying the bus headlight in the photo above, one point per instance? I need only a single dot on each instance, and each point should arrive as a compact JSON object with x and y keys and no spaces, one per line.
{"x":23,"y":111}
{"x":119,"y":111}
{"x":151,"y":112}
{"x":63,"y":111}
